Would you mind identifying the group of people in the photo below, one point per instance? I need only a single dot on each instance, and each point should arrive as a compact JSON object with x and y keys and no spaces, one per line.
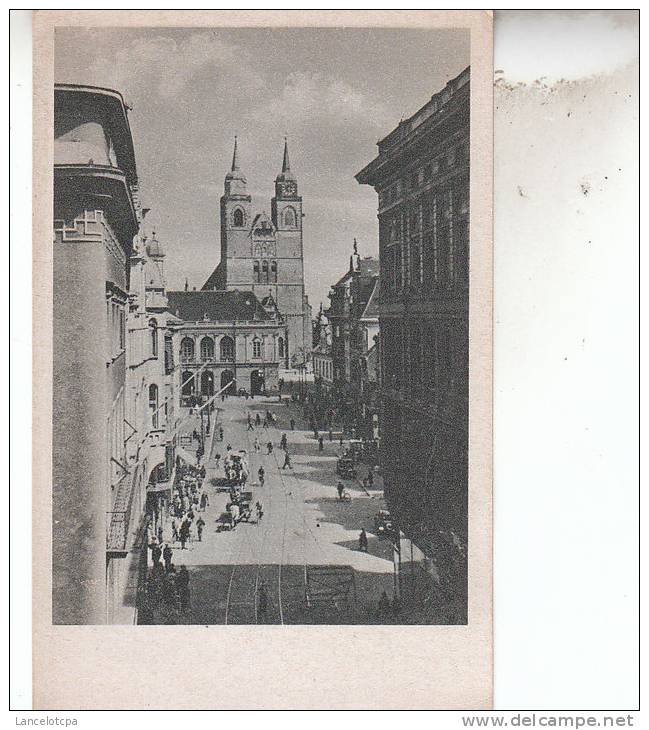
{"x":189,"y":500}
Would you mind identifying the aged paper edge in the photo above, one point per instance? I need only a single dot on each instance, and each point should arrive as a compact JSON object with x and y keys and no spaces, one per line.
{"x":296,"y":667}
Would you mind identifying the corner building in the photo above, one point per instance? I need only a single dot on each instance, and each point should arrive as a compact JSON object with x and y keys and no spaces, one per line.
{"x":421,"y":175}
{"x":263,"y":253}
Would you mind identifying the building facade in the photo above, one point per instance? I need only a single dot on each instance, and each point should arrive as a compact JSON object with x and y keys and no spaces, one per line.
{"x":95,"y":221}
{"x":262,"y":252}
{"x":421,"y":175}
{"x":224,"y":337}
{"x":353,"y":318}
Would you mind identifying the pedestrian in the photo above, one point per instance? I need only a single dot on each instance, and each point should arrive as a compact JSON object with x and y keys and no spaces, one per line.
{"x":257,"y":445}
{"x":283,"y":442}
{"x":156,"y":554}
{"x":174,"y":531}
{"x":182,"y":583}
{"x":250,"y":426}
{"x":292,"y":424}
{"x":167,"y":554}
{"x":200,"y":524}
{"x":362,"y":541}
{"x":287,"y":460}
{"x":320,"y":443}
{"x":160,"y":534}
{"x":261,"y":474}
{"x":331,"y":435}
{"x":341,"y":488}
{"x":204,"y":501}
{"x":384,"y":604}
{"x":341,"y":438}
{"x":260,"y":510}
{"x":258,"y":420}
{"x":220,"y":433}
{"x":269,"y":447}
{"x":370,"y":478}
{"x":184,"y":534}
{"x":234,"y":515}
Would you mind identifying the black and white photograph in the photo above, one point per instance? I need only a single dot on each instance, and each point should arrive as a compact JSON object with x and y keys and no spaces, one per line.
{"x":260,"y":327}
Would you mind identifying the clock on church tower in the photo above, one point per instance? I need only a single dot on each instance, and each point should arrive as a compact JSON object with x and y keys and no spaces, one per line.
{"x":286,"y":189}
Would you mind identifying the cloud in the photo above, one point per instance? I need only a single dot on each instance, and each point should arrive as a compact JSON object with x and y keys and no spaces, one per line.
{"x":166,"y":66}
{"x":311,"y":97}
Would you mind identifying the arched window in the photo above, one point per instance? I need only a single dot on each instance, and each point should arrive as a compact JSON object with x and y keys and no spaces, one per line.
{"x":237,"y":218}
{"x":264,"y":271}
{"x":256,"y":348}
{"x":280,"y":347}
{"x":153,"y":405}
{"x":153,"y":333}
{"x":207,"y":383}
{"x":227,"y":348}
{"x":256,"y":272}
{"x":188,"y":383}
{"x":207,"y":349}
{"x":273,"y":271}
{"x":289,"y":218}
{"x":187,"y":349}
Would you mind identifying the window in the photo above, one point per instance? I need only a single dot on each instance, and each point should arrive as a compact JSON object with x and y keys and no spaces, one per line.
{"x":289,"y":218}
{"x":153,"y":405}
{"x":226,"y":348}
{"x":256,"y":272}
{"x":187,"y":349}
{"x":280,"y":347}
{"x":207,"y":349}
{"x":187,"y":382}
{"x":256,"y":348}
{"x":237,"y":218}
{"x":273,"y":272}
{"x":153,"y":333}
{"x":264,"y":272}
{"x":169,"y":355}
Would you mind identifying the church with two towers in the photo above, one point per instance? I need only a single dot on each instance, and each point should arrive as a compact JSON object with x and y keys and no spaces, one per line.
{"x":252,"y":318}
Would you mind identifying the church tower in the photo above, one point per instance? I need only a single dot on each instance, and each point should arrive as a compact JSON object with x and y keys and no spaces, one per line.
{"x":235,"y":226}
{"x":286,"y":212}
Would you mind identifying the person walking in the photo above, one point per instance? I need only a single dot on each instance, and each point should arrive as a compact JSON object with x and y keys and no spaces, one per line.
{"x":174,"y":531}
{"x":331,"y":435}
{"x":184,"y":534}
{"x":234,"y":515}
{"x":262,"y":475}
{"x":370,"y":478}
{"x":182,"y":584}
{"x":167,"y":555}
{"x":362,"y":541}
{"x":258,"y":419}
{"x":156,"y":554}
{"x":292,"y":424}
{"x":257,"y":445}
{"x":260,"y":510}
{"x":287,"y":460}
{"x":250,"y":426}
{"x":320,"y":443}
{"x":160,"y":534}
{"x":283,"y":442}
{"x":341,"y":488}
{"x":269,"y":447}
{"x":200,"y":524}
{"x":204,"y":501}
{"x":220,"y":433}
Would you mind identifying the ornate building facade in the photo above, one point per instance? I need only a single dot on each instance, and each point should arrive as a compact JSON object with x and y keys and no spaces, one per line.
{"x":421,"y":175}
{"x":95,"y":221}
{"x":263,"y":253}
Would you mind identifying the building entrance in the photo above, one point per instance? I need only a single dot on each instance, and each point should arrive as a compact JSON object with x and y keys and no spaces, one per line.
{"x":257,"y":385}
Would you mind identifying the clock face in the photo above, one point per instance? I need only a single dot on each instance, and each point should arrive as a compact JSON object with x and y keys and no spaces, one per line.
{"x":289,"y":189}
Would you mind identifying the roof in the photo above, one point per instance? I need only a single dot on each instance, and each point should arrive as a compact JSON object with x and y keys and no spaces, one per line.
{"x":369,"y":267}
{"x":216,"y":279}
{"x":216,"y":306}
{"x":372,"y":307}
{"x":89,"y":99}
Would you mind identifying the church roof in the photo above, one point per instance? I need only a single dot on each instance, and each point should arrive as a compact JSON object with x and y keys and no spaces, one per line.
{"x":216,"y":306}
{"x":216,"y":280}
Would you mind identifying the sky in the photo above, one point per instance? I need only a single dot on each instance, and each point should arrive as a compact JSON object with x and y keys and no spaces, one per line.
{"x":333,"y":92}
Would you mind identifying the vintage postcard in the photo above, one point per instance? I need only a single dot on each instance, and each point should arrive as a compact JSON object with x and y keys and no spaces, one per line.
{"x":262,"y":246}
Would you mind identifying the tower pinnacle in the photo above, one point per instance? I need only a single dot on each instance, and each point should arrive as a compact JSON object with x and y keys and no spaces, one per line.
{"x":286,"y":165}
{"x":235,"y":156}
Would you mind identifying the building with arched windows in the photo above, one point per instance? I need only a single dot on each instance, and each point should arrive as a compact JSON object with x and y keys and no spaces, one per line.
{"x":262,"y":252}
{"x":224,"y":337}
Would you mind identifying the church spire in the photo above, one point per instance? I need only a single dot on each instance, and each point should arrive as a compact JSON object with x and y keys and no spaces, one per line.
{"x":235,"y":156}
{"x":286,"y":165}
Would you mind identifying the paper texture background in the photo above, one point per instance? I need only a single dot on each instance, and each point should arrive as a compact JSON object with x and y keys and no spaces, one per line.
{"x":296,"y":667}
